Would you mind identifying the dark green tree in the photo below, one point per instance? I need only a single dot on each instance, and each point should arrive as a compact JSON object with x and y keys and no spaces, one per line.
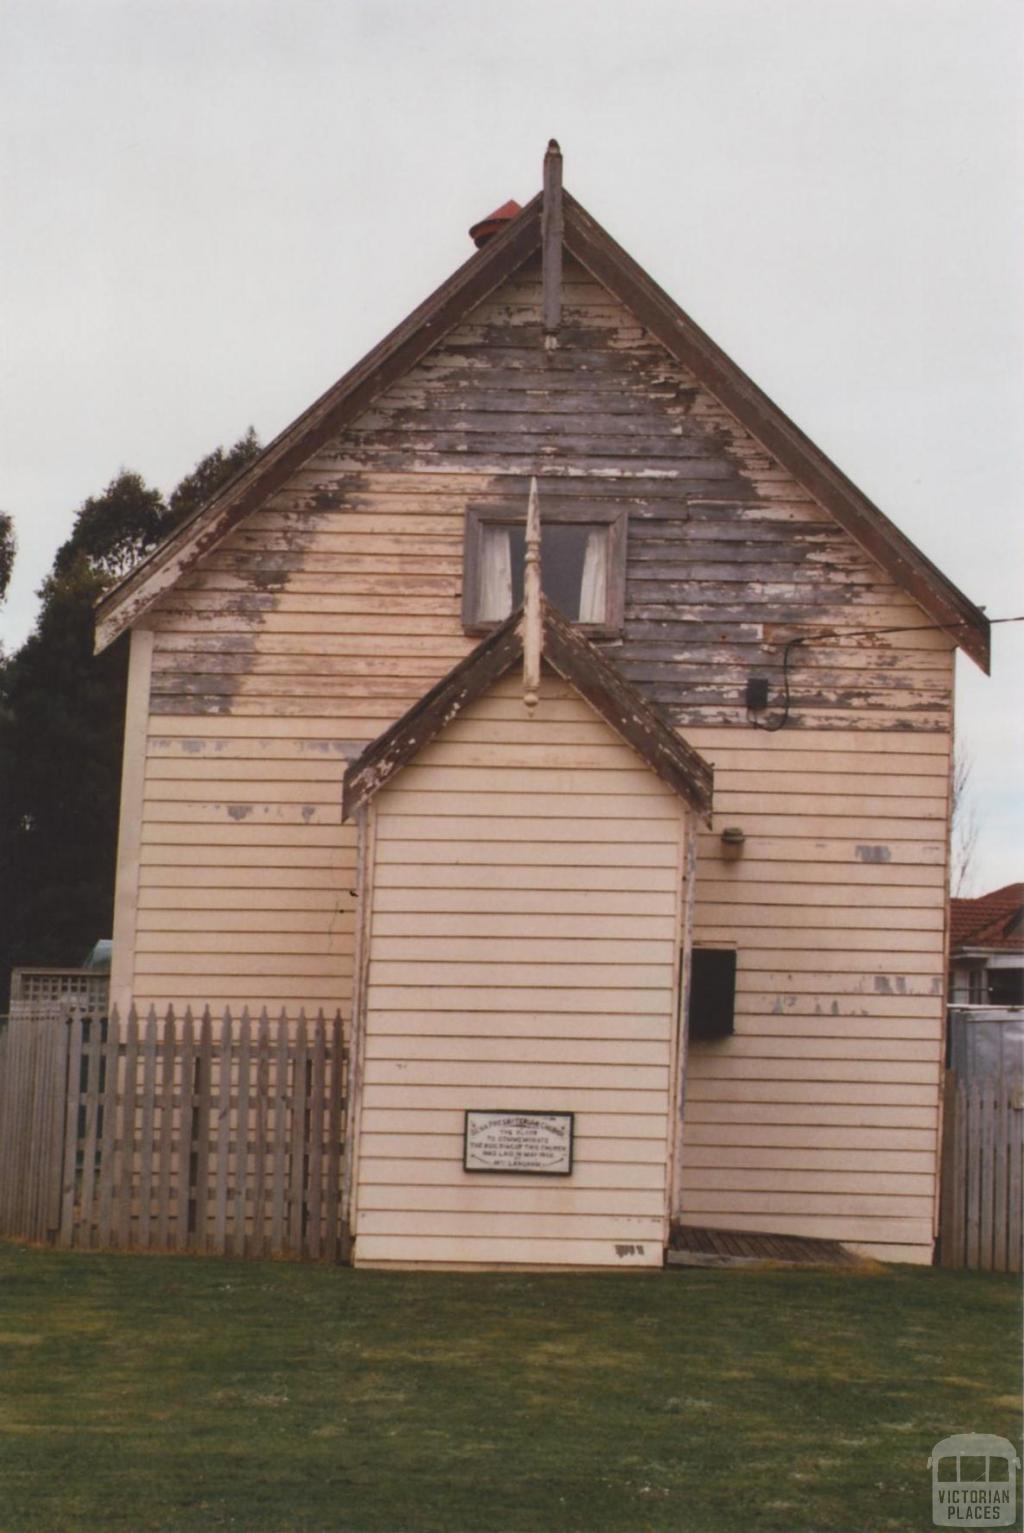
{"x":112,"y":531}
{"x":210,"y":475}
{"x":62,"y":724}
{"x":60,"y":740}
{"x":8,"y":548}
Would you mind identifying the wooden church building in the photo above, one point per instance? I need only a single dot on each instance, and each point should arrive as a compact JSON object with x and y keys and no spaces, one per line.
{"x":543,"y":698}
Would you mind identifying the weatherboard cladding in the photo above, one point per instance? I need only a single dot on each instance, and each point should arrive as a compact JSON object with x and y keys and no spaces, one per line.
{"x":332,"y":608}
{"x":579,"y":1009}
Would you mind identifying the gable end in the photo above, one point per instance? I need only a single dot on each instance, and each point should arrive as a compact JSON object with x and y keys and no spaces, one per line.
{"x":610,"y":265}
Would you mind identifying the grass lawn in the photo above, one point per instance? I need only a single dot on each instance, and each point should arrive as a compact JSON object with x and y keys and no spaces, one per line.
{"x":176,"y":1393}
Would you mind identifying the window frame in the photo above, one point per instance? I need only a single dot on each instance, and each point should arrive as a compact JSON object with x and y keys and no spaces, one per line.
{"x":614,"y":518}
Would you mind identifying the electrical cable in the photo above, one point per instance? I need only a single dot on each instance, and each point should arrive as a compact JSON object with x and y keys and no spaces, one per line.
{"x":770,"y":726}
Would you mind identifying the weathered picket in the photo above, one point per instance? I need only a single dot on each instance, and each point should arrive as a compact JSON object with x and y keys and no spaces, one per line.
{"x":175,"y":1134}
{"x":982,"y":1173}
{"x":33,"y":1076}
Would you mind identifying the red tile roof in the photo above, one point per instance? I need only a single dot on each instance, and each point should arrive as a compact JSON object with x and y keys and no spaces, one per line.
{"x":992,"y":920}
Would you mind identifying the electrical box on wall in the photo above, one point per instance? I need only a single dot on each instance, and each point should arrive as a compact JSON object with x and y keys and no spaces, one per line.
{"x":712,"y":992}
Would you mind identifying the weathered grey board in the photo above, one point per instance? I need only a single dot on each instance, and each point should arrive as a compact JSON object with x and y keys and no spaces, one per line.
{"x":982,"y":1158}
{"x":106,"y":1140}
{"x":719,"y":535}
{"x":33,"y":1067}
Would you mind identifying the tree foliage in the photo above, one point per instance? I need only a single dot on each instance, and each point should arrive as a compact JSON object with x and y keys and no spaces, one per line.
{"x":211,"y":474}
{"x":112,"y":531}
{"x":62,"y":723}
{"x":8,"y":548}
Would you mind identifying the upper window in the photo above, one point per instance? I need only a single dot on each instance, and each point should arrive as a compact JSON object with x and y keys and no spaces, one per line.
{"x":1006,"y":987}
{"x":582,"y":560}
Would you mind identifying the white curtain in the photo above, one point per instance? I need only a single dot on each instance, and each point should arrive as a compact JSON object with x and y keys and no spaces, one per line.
{"x":495,"y":575}
{"x":594,"y":589}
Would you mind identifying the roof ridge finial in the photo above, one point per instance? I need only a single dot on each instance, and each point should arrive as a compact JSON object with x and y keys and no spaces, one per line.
{"x":533,"y":621}
{"x":551,"y":246}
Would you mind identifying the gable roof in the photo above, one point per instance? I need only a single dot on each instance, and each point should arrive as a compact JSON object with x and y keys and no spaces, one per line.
{"x":990,"y":921}
{"x":500,"y":257}
{"x":575,"y":659}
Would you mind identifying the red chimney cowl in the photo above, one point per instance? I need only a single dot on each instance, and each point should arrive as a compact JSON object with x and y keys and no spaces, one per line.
{"x":493,"y":224}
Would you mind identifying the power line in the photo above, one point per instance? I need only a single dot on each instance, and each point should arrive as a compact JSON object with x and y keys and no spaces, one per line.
{"x":857,"y":633}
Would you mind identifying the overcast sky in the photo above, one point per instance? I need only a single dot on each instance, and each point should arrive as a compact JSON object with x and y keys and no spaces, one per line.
{"x":212,"y":208}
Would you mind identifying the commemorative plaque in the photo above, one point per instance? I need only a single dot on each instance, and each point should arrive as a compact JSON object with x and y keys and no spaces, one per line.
{"x":531,"y":1143}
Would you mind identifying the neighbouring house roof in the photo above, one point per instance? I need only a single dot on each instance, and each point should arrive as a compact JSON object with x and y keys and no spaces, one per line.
{"x":580,"y":663}
{"x":993,"y":920}
{"x":521,"y":238}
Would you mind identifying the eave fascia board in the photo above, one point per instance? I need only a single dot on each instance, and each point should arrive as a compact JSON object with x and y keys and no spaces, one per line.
{"x":582,"y":665}
{"x":408,"y":735}
{"x":983,"y":951}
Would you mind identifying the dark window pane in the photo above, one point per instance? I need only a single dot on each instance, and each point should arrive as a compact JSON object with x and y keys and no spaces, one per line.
{"x":517,"y":542}
{"x":1006,"y":987}
{"x":563,"y":551}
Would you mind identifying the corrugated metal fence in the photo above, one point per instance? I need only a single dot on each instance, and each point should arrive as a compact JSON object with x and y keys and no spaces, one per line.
{"x":175,"y":1133}
{"x":982,"y":1166}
